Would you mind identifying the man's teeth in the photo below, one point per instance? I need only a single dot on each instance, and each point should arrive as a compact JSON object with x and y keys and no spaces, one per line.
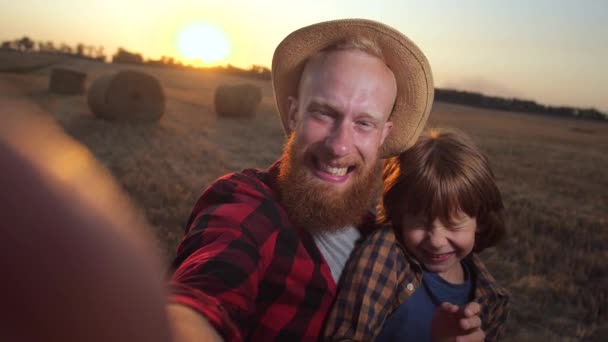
{"x":335,"y":171}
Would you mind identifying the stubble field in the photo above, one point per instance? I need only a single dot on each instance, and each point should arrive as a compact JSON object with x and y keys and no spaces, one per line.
{"x":552,"y":173}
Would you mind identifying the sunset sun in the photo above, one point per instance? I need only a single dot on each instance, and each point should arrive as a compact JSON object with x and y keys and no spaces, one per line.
{"x":205,"y":42}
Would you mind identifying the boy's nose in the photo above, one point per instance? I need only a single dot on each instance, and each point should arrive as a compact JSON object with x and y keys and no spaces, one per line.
{"x":437,"y":238}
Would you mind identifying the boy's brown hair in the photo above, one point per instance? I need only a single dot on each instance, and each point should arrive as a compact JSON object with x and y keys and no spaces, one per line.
{"x":442,"y":174}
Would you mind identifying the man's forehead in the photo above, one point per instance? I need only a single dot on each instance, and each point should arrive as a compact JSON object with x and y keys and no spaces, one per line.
{"x":336,"y":59}
{"x":334,"y":66}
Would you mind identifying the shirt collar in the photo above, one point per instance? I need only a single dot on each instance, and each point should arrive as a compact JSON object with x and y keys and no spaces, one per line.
{"x":482,"y":275}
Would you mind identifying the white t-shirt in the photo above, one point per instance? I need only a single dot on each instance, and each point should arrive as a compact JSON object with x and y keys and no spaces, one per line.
{"x":336,"y":248}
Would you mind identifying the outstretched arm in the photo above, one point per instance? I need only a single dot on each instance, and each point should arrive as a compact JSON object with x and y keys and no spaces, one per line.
{"x":76,"y":264}
{"x":221,"y":261}
{"x":188,"y":325}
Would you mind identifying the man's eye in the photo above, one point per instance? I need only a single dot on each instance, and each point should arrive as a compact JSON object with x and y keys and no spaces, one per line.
{"x":322,"y":114}
{"x":366,"y":125}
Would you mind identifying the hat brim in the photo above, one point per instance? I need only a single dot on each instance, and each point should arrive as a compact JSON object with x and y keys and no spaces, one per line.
{"x":415,"y":89}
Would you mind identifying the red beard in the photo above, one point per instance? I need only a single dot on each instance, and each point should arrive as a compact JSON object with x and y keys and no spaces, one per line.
{"x":321,"y":207}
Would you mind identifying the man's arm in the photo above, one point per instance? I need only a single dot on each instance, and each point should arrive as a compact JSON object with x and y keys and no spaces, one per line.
{"x":76,"y":263}
{"x":188,"y":325}
{"x":220,"y":262}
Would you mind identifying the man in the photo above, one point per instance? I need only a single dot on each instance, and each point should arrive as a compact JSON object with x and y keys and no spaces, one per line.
{"x":264,"y":249}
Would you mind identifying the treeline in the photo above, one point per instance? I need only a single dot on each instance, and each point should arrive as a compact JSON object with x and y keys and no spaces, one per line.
{"x":80,"y":50}
{"x":516,"y":105}
{"x":124,"y":56}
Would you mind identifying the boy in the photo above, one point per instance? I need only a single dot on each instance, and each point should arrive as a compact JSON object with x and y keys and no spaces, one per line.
{"x":440,"y":206}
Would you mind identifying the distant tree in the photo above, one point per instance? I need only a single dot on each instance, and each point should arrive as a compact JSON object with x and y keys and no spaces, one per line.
{"x":562,"y":111}
{"x":49,"y":47}
{"x":25,"y":44}
{"x":231,"y":69}
{"x":45,"y":46}
{"x":89,"y":51}
{"x":260,"y":71}
{"x":124,"y":56}
{"x":167,"y":60}
{"x":80,"y":50}
{"x":7,"y":45}
{"x":592,"y":113}
{"x":65,"y":49}
{"x":99,"y":54}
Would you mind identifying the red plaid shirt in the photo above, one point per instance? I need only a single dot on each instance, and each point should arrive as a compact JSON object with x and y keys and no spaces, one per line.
{"x":246,"y":268}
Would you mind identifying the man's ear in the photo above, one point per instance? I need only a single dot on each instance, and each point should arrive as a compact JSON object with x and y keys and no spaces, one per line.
{"x":386,"y":130}
{"x":293,"y":112}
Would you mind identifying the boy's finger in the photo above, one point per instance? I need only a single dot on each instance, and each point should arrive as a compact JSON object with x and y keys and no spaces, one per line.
{"x":449,"y":307}
{"x":470,"y":323}
{"x":475,"y":336}
{"x":471,"y":309}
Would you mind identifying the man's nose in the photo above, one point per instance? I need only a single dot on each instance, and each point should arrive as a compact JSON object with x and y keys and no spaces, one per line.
{"x":340,"y":140}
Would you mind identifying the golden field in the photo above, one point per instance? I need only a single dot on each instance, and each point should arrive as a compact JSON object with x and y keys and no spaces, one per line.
{"x":552,"y":173}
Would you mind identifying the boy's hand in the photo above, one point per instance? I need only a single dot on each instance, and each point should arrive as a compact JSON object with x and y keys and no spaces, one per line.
{"x":457,"y":323}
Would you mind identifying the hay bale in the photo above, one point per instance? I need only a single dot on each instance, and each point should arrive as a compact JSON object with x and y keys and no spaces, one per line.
{"x":67,"y":82}
{"x":239,"y":100}
{"x":127,"y":96}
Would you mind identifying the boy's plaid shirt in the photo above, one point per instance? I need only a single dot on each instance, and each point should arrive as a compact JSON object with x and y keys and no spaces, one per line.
{"x":246,"y":268}
{"x":381,"y":275}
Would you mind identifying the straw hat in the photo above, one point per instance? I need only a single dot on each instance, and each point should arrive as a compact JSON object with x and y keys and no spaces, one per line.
{"x":412,"y":71}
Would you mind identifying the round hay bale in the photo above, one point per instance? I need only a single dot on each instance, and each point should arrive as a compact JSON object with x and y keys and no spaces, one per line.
{"x":127,"y":96}
{"x":239,"y":100}
{"x":67,"y":82}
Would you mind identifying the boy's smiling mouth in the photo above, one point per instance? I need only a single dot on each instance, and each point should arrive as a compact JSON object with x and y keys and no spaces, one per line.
{"x":437,"y":258}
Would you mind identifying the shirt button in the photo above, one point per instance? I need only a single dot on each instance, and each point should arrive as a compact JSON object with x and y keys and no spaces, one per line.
{"x":410,"y":287}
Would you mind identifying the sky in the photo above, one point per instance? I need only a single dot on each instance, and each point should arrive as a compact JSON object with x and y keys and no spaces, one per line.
{"x":553,"y":52}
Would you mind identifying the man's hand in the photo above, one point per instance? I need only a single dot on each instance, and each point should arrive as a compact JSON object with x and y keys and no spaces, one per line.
{"x":457,"y":323}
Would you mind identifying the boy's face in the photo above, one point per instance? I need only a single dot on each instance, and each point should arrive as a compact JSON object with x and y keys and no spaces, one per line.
{"x":440,"y":246}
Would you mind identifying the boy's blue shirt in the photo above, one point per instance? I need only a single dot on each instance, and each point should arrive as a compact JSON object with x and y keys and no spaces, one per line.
{"x":412,"y":320}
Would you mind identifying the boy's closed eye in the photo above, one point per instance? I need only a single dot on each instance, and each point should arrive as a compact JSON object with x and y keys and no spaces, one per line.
{"x":456,"y":223}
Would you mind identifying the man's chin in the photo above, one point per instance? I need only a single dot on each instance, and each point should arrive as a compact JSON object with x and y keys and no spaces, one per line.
{"x":319,"y":205}
{"x":316,"y":204}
